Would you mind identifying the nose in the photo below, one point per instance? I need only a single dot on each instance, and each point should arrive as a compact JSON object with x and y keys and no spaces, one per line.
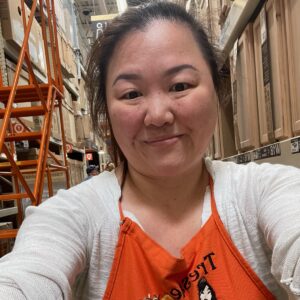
{"x":158,"y":111}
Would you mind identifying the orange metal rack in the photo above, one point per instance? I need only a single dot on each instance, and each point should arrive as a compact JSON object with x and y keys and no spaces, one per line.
{"x":48,"y":95}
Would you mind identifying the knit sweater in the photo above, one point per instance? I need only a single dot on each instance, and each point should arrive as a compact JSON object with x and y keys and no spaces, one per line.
{"x":65,"y":247}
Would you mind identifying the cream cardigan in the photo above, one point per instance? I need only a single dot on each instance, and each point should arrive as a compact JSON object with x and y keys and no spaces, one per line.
{"x":65,"y":247}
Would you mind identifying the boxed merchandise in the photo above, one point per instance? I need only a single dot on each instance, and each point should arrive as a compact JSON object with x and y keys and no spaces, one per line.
{"x":76,"y":168}
{"x":87,"y":126}
{"x":244,"y":92}
{"x":69,"y":124}
{"x":82,"y":95}
{"x":56,"y":129}
{"x":59,"y":12}
{"x":79,"y":128}
{"x":263,"y":79}
{"x":225,"y":120}
{"x":6,"y":245}
{"x":67,"y":14}
{"x":292,"y":13}
{"x":27,"y":154}
{"x":68,"y":98}
{"x":280,"y":80}
{"x":13,"y":31}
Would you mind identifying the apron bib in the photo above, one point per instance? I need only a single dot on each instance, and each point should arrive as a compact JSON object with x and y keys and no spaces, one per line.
{"x":210,"y":267}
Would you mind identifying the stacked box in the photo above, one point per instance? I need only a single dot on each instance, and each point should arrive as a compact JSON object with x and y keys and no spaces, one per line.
{"x":225,"y":119}
{"x":6,"y":245}
{"x":76,"y":171}
{"x":69,"y":124}
{"x":68,"y":98}
{"x":263,"y":79}
{"x":59,"y":12}
{"x":55,"y":126}
{"x":13,"y":31}
{"x":245,"y":115}
{"x":279,"y":72}
{"x":83,"y":95}
{"x":292,"y":19}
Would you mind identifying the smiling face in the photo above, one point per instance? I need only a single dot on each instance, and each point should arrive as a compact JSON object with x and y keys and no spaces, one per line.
{"x":161,"y":99}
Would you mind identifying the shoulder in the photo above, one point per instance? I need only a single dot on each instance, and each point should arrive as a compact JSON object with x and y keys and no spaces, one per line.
{"x":95,"y":199}
{"x":239,"y":177}
{"x":245,"y":189}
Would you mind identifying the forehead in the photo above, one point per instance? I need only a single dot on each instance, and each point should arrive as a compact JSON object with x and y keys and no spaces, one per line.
{"x":157,"y":29}
{"x":168,"y":38}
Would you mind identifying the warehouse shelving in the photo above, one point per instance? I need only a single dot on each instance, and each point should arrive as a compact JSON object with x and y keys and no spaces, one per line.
{"x":8,"y":211}
{"x":248,"y":33}
{"x":44,"y":89}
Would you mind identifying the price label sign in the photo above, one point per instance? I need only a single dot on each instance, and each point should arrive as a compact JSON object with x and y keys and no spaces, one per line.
{"x":99,"y":23}
{"x":69,"y":148}
{"x":295,"y":145}
{"x":18,"y":128}
{"x":89,"y":156}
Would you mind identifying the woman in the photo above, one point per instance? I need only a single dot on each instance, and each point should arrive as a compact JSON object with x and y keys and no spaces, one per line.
{"x":153,"y":228}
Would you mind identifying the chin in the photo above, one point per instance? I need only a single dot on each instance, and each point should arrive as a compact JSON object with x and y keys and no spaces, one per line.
{"x":168,"y":170}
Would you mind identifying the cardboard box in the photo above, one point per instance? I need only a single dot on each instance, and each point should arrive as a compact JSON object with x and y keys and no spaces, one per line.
{"x":79,"y":128}
{"x":68,"y":98}
{"x":263,"y":79}
{"x":69,"y":124}
{"x":280,"y":80}
{"x":13,"y":31}
{"x":6,"y":245}
{"x":59,"y":12}
{"x":76,"y":171}
{"x":225,"y":120}
{"x":292,"y":18}
{"x":60,"y":48}
{"x":244,"y":94}
{"x":76,"y":108}
{"x":87,"y":127}
{"x":56,"y":128}
{"x":83,"y":95}
{"x":27,"y":154}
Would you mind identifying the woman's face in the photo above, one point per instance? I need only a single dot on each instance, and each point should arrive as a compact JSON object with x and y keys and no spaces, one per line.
{"x":161,"y":99}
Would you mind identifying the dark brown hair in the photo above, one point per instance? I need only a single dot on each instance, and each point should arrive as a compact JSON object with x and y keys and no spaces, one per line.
{"x":136,"y":18}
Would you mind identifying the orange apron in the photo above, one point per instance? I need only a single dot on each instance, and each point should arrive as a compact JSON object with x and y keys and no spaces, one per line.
{"x":210,"y":268}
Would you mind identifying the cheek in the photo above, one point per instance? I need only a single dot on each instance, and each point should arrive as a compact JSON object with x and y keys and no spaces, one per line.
{"x":202,"y":115}
{"x":126,"y":122}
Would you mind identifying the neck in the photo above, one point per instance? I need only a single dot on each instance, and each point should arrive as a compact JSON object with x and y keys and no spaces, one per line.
{"x":171,"y":195}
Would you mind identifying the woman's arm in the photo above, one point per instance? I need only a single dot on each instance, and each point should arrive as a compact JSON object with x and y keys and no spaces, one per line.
{"x":49,"y":252}
{"x":279,"y":219}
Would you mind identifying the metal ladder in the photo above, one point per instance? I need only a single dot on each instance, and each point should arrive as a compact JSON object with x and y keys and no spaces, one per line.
{"x":43,"y":97}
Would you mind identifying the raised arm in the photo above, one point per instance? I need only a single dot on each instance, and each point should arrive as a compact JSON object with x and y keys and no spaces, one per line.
{"x":49,"y":252}
{"x":279,"y":219}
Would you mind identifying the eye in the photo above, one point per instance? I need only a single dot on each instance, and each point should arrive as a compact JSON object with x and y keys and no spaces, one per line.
{"x":131,"y":95}
{"x":179,"y":87}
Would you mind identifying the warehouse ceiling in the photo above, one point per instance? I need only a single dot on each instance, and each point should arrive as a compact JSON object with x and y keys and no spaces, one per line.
{"x":88,"y":8}
{"x":85,"y":9}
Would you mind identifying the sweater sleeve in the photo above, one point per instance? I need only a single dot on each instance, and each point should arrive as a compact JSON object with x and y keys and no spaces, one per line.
{"x":279,"y":218}
{"x":49,"y":252}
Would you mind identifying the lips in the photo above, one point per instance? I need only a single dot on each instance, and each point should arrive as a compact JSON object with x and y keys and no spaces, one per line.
{"x":163,"y":140}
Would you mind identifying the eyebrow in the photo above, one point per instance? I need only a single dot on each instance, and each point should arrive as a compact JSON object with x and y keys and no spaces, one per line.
{"x":179,"y":68}
{"x":127,"y":76}
{"x":169,"y":72}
